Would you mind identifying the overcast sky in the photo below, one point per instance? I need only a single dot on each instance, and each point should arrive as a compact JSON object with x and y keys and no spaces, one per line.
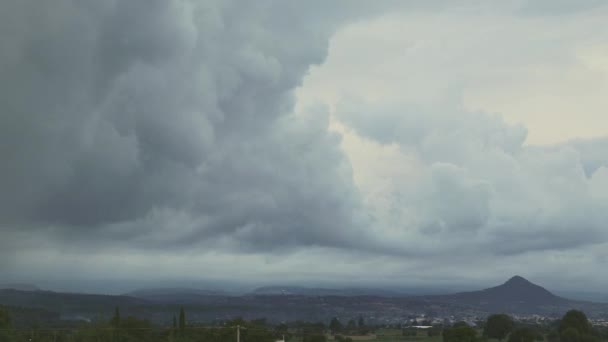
{"x":358,"y":143}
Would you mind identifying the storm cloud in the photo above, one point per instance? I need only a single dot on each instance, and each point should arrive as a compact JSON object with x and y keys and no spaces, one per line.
{"x":166,"y":133}
{"x":135,"y":119}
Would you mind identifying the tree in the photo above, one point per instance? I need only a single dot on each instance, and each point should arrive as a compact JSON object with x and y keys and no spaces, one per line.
{"x":570,"y":335}
{"x":182,"y":320}
{"x":577,"y":320}
{"x":115,"y":322}
{"x":351,"y":326}
{"x":523,"y":335}
{"x":553,"y":336}
{"x":459,"y":334}
{"x":116,"y":319}
{"x":498,"y":326}
{"x":363,"y":330}
{"x":335,"y":326}
{"x":575,"y":327}
{"x":282,"y":330}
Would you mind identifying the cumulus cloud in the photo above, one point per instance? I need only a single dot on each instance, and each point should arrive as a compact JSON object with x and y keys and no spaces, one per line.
{"x":168,"y":123}
{"x":142,"y":133}
{"x":480,"y":189}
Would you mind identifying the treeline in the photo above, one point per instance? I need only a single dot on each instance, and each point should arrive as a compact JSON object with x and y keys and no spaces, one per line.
{"x":573,"y":327}
{"x":132,"y":329}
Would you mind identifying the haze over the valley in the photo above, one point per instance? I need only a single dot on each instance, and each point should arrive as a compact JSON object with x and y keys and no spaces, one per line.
{"x":220,"y":144}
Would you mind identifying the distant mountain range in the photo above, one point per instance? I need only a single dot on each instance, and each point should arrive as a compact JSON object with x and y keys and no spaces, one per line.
{"x":20,"y":287}
{"x":176,"y":295}
{"x":307,"y":291}
{"x":517,"y":296}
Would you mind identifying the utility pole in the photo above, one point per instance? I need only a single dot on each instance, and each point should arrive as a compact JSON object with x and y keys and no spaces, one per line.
{"x":238,"y":333}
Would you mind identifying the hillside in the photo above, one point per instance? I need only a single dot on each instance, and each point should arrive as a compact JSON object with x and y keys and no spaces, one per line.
{"x":176,"y":295}
{"x":313,"y":291}
{"x":515,"y":295}
{"x":66,"y":302}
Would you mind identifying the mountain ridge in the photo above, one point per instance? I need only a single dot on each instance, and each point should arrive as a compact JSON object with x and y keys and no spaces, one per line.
{"x":516,"y":296}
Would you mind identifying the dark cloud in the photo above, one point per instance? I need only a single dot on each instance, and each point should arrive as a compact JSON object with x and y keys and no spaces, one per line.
{"x":161,"y":135}
{"x":169,"y":122}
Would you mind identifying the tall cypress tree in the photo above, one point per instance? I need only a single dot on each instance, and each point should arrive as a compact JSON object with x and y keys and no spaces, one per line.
{"x":116,"y":318}
{"x":116,"y":324}
{"x":182,"y":320}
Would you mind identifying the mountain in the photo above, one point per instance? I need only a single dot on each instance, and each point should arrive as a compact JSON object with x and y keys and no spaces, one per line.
{"x":516,"y":295}
{"x":20,"y":287}
{"x":312,"y":291}
{"x":66,"y":302}
{"x":289,"y":303}
{"x":176,"y":295}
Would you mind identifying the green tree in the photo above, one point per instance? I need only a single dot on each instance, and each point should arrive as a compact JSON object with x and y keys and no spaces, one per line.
{"x":115,"y":322}
{"x":575,"y":327}
{"x":459,"y":334}
{"x":335,"y":326}
{"x":553,"y":336}
{"x":498,"y":326}
{"x":351,"y":326}
{"x":570,"y":335}
{"x":282,"y":330}
{"x":524,"y":334}
{"x":116,"y":319}
{"x":182,"y":320}
{"x":134,"y":329}
{"x":577,"y":320}
{"x":363,"y":330}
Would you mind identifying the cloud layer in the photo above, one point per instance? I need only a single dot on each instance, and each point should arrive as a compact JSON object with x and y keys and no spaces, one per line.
{"x":137,"y":134}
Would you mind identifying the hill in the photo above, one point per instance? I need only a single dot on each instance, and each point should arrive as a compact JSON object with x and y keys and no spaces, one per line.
{"x":515,"y":295}
{"x":20,"y":287}
{"x":176,"y":295}
{"x":313,"y":291}
{"x":66,"y":302}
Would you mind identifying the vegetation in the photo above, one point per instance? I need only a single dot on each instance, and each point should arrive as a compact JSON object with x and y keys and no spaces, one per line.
{"x":6,"y":325}
{"x":498,"y":326}
{"x":573,"y":327}
{"x":460,"y":333}
{"x":525,"y":334}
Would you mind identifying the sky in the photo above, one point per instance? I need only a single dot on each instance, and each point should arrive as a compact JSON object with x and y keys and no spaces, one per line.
{"x":345,"y":143}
